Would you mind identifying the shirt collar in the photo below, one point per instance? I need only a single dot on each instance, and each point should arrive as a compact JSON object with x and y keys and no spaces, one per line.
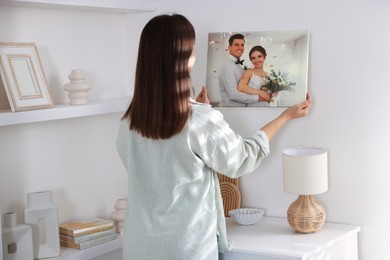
{"x":232,"y":57}
{"x":192,"y":101}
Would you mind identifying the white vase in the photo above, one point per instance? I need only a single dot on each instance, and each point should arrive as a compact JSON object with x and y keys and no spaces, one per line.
{"x":17,"y":239}
{"x":119,"y":214}
{"x":42,"y":217}
{"x":77,"y":87}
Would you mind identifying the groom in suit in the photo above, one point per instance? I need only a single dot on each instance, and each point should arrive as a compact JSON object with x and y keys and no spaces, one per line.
{"x":231,"y":72}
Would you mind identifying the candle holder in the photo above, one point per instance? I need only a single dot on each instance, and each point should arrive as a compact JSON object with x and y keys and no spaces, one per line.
{"x":77,"y":87}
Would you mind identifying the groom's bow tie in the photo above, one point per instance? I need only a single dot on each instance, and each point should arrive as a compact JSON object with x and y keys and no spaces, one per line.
{"x":239,"y":61}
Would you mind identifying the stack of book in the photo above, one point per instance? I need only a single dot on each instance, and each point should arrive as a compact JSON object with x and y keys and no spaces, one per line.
{"x":86,"y":233}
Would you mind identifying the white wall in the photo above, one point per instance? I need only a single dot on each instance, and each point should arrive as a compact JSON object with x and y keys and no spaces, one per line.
{"x":348,"y":63}
{"x":348,"y":67}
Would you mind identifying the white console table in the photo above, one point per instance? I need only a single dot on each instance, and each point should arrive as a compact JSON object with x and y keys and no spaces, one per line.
{"x":272,"y":238}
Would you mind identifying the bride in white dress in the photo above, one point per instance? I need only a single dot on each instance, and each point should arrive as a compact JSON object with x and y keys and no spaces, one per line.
{"x":253,"y":79}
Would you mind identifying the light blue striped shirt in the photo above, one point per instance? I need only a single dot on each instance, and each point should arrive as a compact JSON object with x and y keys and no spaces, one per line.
{"x":175,"y":209}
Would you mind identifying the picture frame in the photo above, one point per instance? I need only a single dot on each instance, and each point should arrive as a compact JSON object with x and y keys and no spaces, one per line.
{"x":287,"y":58}
{"x":23,"y":77}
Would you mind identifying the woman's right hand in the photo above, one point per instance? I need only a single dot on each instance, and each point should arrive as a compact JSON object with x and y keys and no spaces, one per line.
{"x":203,"y":96}
{"x":299,"y":110}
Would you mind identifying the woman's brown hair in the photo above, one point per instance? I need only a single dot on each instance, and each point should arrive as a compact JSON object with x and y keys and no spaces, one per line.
{"x":159,"y":108}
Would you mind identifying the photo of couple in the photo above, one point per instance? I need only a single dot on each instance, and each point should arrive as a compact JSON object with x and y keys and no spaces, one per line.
{"x":257,"y":69}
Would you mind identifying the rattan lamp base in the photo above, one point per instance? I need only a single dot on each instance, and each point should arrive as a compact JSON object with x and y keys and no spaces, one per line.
{"x":306,"y":215}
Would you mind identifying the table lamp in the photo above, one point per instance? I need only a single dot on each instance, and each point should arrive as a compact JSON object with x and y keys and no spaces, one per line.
{"x":305,"y":173}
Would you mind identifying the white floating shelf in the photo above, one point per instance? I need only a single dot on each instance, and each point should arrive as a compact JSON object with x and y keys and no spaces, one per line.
{"x":121,"y":6}
{"x":97,"y":107}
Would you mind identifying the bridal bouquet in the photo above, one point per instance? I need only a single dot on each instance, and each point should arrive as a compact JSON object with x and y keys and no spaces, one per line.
{"x":277,"y":81}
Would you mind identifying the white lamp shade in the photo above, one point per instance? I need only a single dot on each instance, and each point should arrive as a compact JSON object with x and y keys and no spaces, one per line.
{"x":305,"y":170}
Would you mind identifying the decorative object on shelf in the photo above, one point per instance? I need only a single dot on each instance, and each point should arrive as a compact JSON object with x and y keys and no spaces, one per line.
{"x":23,"y":77}
{"x":85,"y":241}
{"x":17,"y":239}
{"x":231,"y":195}
{"x":119,"y":214}
{"x":84,"y":244}
{"x":42,"y":216}
{"x":246,"y":216}
{"x":86,"y":233}
{"x":305,"y":173}
{"x":77,"y":87}
{"x":86,"y":226}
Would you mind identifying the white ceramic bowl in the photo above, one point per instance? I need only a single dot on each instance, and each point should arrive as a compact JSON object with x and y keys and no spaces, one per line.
{"x":246,"y":216}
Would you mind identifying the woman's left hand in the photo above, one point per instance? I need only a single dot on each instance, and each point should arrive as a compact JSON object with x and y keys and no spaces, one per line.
{"x":203,"y":97}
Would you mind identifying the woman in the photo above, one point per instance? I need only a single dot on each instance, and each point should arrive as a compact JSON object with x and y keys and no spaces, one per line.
{"x":253,"y":79}
{"x":171,"y":147}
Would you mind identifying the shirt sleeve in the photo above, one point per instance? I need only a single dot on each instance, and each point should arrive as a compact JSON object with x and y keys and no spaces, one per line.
{"x":224,"y":151}
{"x":228,"y":78}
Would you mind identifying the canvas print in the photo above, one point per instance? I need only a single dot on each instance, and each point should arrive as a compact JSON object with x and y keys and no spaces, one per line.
{"x":257,"y":69}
